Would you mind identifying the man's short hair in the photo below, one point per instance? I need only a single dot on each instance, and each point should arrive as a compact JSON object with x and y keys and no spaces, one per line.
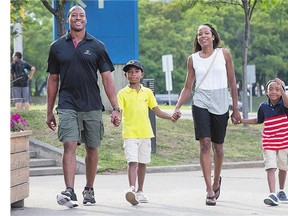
{"x":18,"y":54}
{"x":73,"y":8}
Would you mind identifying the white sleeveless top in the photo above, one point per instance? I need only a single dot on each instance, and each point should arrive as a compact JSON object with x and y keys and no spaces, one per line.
{"x":212,"y":94}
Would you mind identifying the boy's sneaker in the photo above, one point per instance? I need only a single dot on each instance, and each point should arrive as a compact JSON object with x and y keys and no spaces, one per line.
{"x":282,"y":197}
{"x":88,"y":196}
{"x":67,"y":198}
{"x":142,"y":198}
{"x":271,"y":200}
{"x":131,"y":196}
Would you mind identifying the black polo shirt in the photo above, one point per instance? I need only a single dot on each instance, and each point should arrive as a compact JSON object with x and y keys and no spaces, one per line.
{"x":78,"y":71}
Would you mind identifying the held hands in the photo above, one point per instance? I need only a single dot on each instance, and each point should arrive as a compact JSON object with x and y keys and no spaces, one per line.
{"x":176,"y":115}
{"x":115,"y":118}
{"x":236,"y":117}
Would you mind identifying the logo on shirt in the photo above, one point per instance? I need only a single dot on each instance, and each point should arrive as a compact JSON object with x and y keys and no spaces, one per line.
{"x":87,"y":52}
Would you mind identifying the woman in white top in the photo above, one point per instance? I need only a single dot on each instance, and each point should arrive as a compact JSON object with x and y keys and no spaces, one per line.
{"x":212,"y":70}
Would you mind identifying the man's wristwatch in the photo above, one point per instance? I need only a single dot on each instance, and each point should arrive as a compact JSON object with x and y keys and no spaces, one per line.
{"x":116,"y":109}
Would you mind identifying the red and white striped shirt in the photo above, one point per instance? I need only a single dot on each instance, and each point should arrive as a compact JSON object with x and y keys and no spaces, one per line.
{"x":275,"y":133}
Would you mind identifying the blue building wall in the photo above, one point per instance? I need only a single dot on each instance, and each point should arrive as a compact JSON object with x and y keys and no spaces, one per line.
{"x":116,"y":24}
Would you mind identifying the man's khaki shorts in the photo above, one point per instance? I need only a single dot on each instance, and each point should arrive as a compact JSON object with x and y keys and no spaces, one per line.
{"x":82,"y":127}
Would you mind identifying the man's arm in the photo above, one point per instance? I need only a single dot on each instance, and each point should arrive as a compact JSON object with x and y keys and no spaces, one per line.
{"x":52,"y":89}
{"x":110,"y":90}
{"x":32,"y":71}
{"x":109,"y":87}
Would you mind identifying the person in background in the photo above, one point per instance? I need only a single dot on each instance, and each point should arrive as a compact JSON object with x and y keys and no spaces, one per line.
{"x":21,"y":73}
{"x":212,"y":70}
{"x":73,"y":62}
{"x":274,"y":114}
{"x":135,"y":100}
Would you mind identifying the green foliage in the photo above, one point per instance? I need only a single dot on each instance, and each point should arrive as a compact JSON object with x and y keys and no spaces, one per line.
{"x":17,"y":11}
{"x":170,"y":28}
{"x":268,"y":41}
{"x":36,"y":42}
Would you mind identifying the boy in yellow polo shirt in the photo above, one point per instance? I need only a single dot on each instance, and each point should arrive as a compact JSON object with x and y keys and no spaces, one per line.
{"x":134,"y":101}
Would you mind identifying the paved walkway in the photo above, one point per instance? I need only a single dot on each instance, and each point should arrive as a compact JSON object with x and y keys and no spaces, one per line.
{"x":170,"y":193}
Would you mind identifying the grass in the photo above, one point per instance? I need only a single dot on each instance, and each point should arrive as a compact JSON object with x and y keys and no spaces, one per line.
{"x":176,"y":144}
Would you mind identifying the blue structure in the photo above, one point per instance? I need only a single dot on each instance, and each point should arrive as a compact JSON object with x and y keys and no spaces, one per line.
{"x":115,"y":22}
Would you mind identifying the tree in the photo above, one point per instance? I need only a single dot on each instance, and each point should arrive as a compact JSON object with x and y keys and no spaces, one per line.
{"x":17,"y":20}
{"x":17,"y":11}
{"x":248,"y":7}
{"x":170,"y":28}
{"x":59,"y":13}
{"x":34,"y":21}
{"x":36,"y":42}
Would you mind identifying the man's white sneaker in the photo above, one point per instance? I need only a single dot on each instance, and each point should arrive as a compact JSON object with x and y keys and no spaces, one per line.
{"x":142,"y":198}
{"x":67,"y":198}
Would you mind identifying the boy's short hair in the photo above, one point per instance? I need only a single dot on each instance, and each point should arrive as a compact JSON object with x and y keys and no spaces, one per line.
{"x":134,"y":63}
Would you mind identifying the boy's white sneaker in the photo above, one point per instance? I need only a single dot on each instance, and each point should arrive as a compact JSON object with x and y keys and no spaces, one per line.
{"x":142,"y":198}
{"x":131,"y":196}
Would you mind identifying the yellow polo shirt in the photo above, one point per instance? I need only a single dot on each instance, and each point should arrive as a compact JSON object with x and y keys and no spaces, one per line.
{"x":135,"y":112}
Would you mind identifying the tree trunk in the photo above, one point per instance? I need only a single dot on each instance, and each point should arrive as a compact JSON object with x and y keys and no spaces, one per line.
{"x":59,"y":14}
{"x":61,"y":30}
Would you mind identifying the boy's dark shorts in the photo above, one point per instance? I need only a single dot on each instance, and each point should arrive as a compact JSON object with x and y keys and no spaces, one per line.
{"x":82,"y":127}
{"x":207,"y":124}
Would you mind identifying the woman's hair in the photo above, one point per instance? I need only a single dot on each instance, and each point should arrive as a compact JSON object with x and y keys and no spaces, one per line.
{"x":216,"y":41}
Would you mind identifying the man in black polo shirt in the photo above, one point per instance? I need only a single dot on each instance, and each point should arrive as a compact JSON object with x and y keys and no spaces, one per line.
{"x":73,"y":62}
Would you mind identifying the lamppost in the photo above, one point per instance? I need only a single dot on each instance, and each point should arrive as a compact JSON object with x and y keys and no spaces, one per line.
{"x":17,"y":37}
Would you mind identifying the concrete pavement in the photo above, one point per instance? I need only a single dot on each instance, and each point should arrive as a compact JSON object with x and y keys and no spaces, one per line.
{"x":170,"y":193}
{"x":177,"y":190}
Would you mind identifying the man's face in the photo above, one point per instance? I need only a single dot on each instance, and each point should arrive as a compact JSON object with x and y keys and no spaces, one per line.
{"x":14,"y":57}
{"x":77,"y":19}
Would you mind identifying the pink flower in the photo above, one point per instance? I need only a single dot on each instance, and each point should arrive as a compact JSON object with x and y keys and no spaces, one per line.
{"x":17,"y":122}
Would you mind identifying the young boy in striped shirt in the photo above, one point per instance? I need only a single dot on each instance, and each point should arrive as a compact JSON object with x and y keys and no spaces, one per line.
{"x":274,"y":114}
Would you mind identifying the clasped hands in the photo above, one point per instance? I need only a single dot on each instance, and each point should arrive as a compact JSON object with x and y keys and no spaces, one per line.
{"x":236,"y":117}
{"x":176,"y":115}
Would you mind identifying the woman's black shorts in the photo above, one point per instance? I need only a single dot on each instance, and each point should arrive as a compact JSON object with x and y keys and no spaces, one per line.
{"x":207,"y":124}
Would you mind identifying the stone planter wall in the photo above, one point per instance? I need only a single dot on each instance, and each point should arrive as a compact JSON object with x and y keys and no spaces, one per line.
{"x":19,"y":159}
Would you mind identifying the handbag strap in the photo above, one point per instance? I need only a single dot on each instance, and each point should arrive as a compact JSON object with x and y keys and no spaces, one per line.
{"x":207,"y":70}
